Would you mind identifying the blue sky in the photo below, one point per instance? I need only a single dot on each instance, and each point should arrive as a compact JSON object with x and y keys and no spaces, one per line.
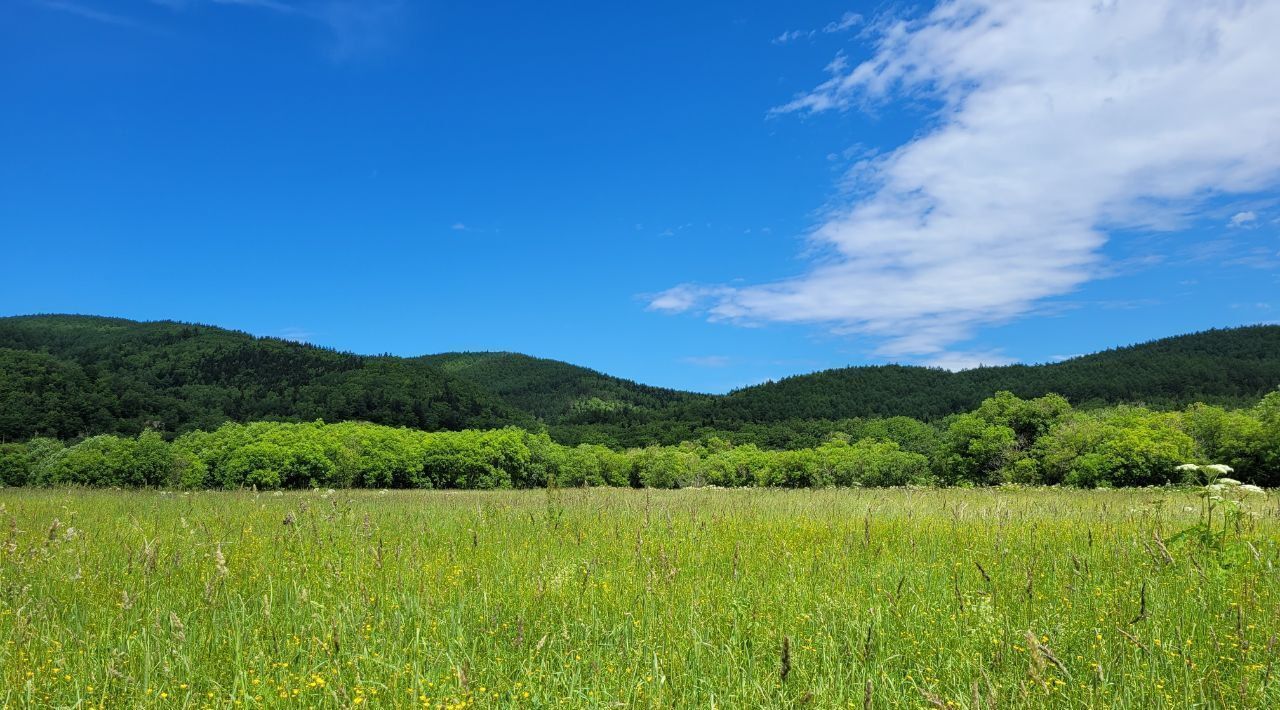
{"x":696,"y":195}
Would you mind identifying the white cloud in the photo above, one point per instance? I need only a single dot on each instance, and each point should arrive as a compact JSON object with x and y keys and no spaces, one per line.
{"x":682,"y":298}
{"x":792,"y":36}
{"x":846,"y":21}
{"x":1056,"y":122}
{"x":1244,"y":219}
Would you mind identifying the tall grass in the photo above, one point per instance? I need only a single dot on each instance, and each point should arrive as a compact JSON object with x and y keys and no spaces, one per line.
{"x":596,"y":598}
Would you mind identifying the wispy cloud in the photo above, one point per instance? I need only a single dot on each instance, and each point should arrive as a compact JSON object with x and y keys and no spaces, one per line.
{"x":847,"y":21}
{"x":1056,"y":123}
{"x":265,"y":4}
{"x":354,"y":26}
{"x":360,"y":26}
{"x":1248,"y":218}
{"x":792,"y":36}
{"x":1259,"y":257}
{"x":90,"y":13}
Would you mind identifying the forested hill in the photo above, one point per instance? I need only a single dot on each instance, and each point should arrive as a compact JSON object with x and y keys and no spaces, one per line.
{"x":558,"y":392}
{"x":65,"y":376}
{"x":1229,"y":366}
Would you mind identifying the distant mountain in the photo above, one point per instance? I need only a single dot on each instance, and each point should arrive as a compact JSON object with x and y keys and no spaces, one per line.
{"x":71,"y":375}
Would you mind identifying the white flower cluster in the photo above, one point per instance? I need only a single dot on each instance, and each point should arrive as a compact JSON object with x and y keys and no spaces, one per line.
{"x":1221,"y":482}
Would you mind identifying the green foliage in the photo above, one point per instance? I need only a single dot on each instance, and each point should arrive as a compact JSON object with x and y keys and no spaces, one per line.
{"x":557,"y":392}
{"x":872,"y":462}
{"x":74,"y":376}
{"x":1127,"y":446}
{"x":1006,"y":439}
{"x":15,"y":465}
{"x":1234,"y":367}
{"x":664,"y":467}
{"x":67,"y":376}
{"x":1267,"y":440}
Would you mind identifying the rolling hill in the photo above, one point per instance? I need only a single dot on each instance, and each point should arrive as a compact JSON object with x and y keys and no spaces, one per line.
{"x":1229,"y":366}
{"x":561,"y":393}
{"x":68,"y":376}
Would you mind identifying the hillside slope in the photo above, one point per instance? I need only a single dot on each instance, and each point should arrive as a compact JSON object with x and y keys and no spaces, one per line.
{"x":71,"y":375}
{"x":1230,"y":366}
{"x":558,"y":392}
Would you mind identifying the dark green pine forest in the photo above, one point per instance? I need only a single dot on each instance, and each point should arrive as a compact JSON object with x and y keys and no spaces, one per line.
{"x":71,"y":376}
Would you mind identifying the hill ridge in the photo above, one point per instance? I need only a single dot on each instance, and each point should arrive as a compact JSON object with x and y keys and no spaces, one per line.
{"x":69,"y":374}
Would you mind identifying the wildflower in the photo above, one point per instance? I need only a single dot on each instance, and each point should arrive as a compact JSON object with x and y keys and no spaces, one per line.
{"x":1187,"y":467}
{"x":1250,"y":488}
{"x":1219,"y":468}
{"x":1228,"y":481}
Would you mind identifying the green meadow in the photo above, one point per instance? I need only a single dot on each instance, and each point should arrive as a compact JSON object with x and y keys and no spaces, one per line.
{"x":947,"y":598}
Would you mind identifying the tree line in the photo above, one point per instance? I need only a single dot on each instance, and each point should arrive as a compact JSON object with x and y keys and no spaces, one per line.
{"x":66,"y":377}
{"x":1006,"y":439}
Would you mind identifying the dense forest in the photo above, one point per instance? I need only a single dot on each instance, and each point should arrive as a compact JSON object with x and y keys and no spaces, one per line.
{"x":1006,"y":440}
{"x":68,"y":377}
{"x":559,"y":393}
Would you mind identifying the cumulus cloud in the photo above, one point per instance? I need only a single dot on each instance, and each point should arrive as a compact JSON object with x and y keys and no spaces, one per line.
{"x":1056,"y":122}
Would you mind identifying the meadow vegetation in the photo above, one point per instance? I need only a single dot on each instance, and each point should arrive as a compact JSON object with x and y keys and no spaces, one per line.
{"x":870,"y":598}
{"x":1042,"y":441}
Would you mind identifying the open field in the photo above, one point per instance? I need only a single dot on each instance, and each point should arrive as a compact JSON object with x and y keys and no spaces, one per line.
{"x":594,"y":598}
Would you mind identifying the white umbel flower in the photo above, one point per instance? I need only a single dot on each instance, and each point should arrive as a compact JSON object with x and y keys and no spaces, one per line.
{"x":1228,"y":481}
{"x":1187,"y":467}
{"x":1250,"y":488}
{"x":1220,"y":468}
